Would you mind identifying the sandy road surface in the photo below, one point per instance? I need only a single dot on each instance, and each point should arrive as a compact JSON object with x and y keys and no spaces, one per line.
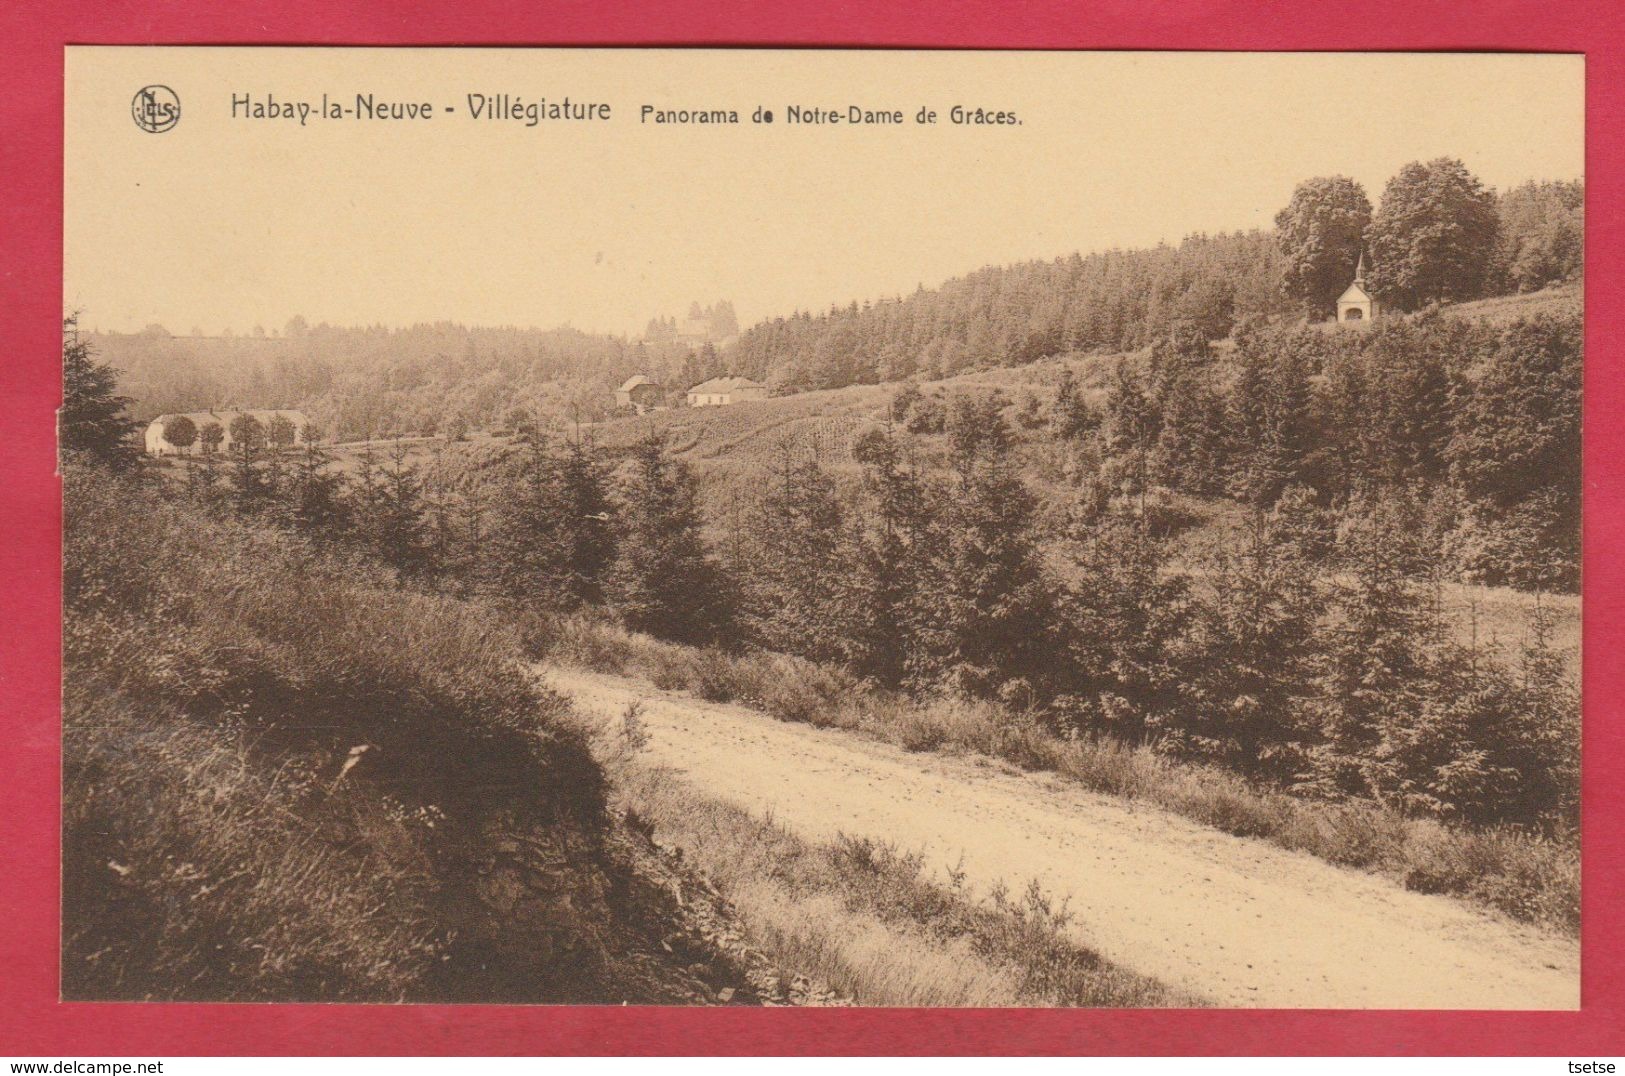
{"x":1235,"y":921}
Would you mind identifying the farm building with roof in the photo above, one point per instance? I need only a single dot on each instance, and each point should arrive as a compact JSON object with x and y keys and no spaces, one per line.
{"x":640,"y":392}
{"x":721,"y":391}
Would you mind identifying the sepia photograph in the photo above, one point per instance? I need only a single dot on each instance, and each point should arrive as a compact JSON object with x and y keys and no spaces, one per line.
{"x":818,"y":527}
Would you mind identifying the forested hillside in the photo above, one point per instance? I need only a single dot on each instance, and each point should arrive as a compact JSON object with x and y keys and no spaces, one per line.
{"x":1523,"y":240}
{"x":1000,"y":316}
{"x":380,"y":382}
{"x":444,"y":378}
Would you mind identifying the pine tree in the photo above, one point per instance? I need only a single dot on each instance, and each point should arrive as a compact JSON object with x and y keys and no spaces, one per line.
{"x":276,"y":463}
{"x":1269,"y":428}
{"x":1545,"y":742}
{"x":1290,"y":432}
{"x":362,"y":496}
{"x":203,"y":479}
{"x":1306,"y":529}
{"x":1373,"y":681}
{"x":402,"y":533}
{"x":93,"y":424}
{"x":884,"y":587}
{"x":990,"y":611}
{"x":1248,"y":418}
{"x":1125,"y":628}
{"x":588,"y":519}
{"x":1451,"y":753}
{"x":793,"y":536}
{"x":531,"y":545}
{"x":1133,"y":425}
{"x":1255,"y":676}
{"x":316,"y":506}
{"x":662,"y":582}
{"x":1190,"y":452}
{"x":1070,"y":415}
{"x":1342,"y":408}
{"x":1409,"y":365}
{"x":448,"y":554}
{"x":251,"y":489}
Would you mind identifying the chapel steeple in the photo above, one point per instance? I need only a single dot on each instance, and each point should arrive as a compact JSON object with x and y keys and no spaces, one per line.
{"x":1356,"y":304}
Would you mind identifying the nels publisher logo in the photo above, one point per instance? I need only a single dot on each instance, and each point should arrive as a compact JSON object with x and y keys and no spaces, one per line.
{"x":156,"y":109}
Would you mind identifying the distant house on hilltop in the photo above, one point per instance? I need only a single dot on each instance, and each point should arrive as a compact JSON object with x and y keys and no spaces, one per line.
{"x":157,"y":443}
{"x":716,"y":324}
{"x":721,"y":391}
{"x":1356,"y":305}
{"x":640,"y":392}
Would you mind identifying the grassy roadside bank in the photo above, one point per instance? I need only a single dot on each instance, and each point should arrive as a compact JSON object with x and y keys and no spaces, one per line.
{"x":860,"y":917}
{"x":1526,"y":876}
{"x":286,"y":780}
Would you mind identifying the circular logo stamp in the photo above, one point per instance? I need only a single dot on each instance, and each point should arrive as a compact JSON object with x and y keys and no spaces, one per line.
{"x":156,"y":109}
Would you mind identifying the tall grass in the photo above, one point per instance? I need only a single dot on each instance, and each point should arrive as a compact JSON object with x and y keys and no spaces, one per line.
{"x":867,"y":921}
{"x":1522,"y":874}
{"x":191,"y":870}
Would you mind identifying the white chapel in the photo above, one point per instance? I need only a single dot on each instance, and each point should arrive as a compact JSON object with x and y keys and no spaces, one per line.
{"x":1356,"y":304}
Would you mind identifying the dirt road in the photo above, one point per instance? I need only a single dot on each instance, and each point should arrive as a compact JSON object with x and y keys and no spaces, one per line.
{"x":1232,"y":920}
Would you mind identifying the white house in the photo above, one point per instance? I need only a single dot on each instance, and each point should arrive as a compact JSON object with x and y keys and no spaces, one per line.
{"x":158,"y":445}
{"x":721,"y":391}
{"x":1356,"y":305}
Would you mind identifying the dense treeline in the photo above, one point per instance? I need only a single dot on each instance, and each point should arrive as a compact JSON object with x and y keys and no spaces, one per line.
{"x":1473,"y":432}
{"x":377,"y":382}
{"x":1438,"y":235}
{"x":1542,"y":235}
{"x":1308,"y":651}
{"x":1006,"y":316}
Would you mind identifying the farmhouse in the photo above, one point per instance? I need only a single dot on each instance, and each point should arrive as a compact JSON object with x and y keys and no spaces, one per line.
{"x":158,"y":444}
{"x":640,"y":392}
{"x":721,"y":391}
{"x":1356,"y":305}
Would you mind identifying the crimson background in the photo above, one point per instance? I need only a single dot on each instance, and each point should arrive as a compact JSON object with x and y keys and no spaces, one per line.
{"x":32,"y":36}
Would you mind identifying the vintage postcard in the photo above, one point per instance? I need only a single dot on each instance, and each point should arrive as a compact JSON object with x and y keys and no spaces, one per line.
{"x":847,"y":528}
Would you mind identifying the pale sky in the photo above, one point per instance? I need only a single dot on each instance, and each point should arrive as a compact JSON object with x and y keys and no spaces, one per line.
{"x":224,"y":222}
